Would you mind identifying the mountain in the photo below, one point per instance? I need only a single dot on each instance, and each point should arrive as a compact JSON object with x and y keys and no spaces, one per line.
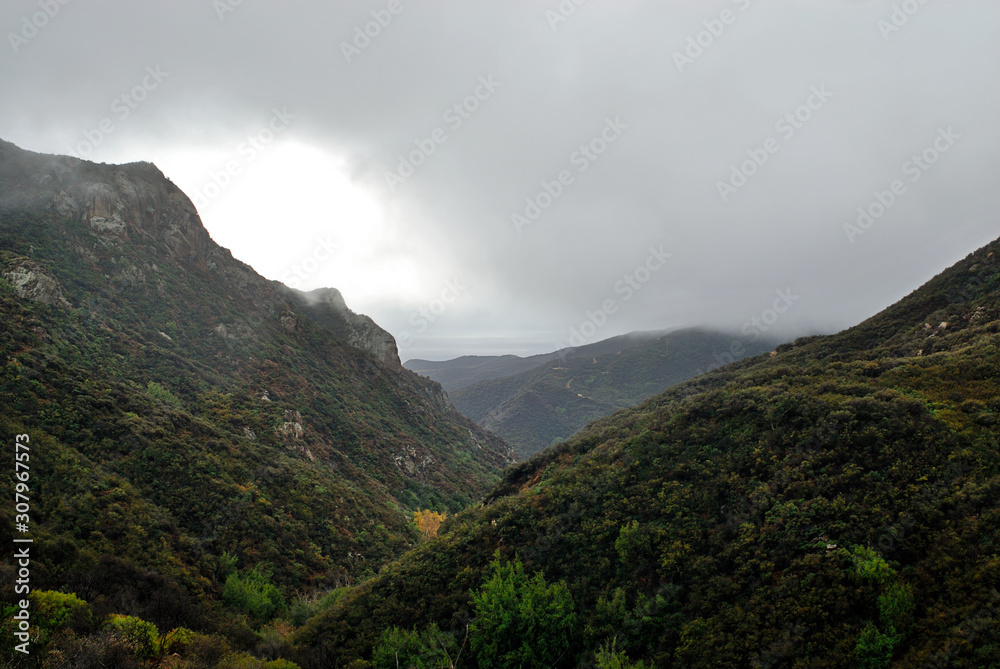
{"x":834,"y":505}
{"x":471,"y":369}
{"x":191,"y":422}
{"x":555,"y":398}
{"x":467,"y":370}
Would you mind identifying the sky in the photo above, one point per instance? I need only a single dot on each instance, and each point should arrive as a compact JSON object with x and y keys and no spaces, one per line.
{"x":516,"y":176}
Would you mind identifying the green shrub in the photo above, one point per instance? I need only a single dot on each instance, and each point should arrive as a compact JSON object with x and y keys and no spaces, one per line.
{"x":157,"y":391}
{"x":411,"y":649}
{"x":141,"y":635}
{"x":254,"y":595}
{"x":875,"y":648}
{"x":521,"y":622}
{"x":870,"y":567}
{"x":896,"y":606}
{"x":609,"y":657}
{"x":55,"y":610}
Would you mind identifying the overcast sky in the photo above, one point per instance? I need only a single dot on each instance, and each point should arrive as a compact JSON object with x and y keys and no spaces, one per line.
{"x":343,"y":156}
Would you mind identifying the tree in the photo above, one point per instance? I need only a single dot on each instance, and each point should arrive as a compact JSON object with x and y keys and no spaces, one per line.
{"x":428,"y":522}
{"x":875,"y":648}
{"x":520,"y":622}
{"x":609,"y":657}
{"x":253,"y":594}
{"x":428,"y":650}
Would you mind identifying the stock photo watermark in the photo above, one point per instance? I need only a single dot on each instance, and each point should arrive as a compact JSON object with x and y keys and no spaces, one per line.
{"x":914,"y":168}
{"x":562,"y":13}
{"x":755,"y":329}
{"x":626,"y":288}
{"x":248,"y":150}
{"x":422,"y":318}
{"x":121,"y":108}
{"x":366,"y":34}
{"x":787,"y":126}
{"x":223,"y":7}
{"x":715,"y":28}
{"x":455,"y":117}
{"x":22,"y":545}
{"x":900,"y":17}
{"x":32,"y":25}
{"x":581,"y":159}
{"x":322,"y":252}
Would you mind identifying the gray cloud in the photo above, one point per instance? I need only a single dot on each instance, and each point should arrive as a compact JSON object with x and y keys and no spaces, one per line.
{"x":656,"y":185}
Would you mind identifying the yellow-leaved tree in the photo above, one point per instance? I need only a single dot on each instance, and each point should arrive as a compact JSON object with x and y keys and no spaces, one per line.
{"x":428,"y":522}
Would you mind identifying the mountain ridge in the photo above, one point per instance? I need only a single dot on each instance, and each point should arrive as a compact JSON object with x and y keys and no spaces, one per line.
{"x":551,"y":400}
{"x":194,"y":420}
{"x":833,"y":505}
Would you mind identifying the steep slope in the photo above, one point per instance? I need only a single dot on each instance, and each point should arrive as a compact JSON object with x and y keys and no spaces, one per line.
{"x":547,"y":404}
{"x":190,"y":417}
{"x":835,"y":505}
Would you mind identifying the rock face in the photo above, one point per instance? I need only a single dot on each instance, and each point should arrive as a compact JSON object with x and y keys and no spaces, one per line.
{"x":327,"y":307}
{"x":32,"y":282}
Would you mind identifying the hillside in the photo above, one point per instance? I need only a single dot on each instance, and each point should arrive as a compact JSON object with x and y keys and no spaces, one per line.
{"x":835,"y":505}
{"x":192,"y":422}
{"x":469,"y":369}
{"x":549,"y":403}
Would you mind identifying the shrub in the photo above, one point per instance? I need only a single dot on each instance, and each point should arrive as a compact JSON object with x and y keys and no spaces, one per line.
{"x":254,"y":595}
{"x":141,"y":635}
{"x":875,"y":648}
{"x":609,"y":657}
{"x":404,"y":648}
{"x":521,"y":622}
{"x":159,"y":392}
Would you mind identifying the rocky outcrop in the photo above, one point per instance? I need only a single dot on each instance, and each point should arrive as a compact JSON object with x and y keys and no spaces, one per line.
{"x":32,"y":282}
{"x":412,"y":463}
{"x":327,"y":307}
{"x":368,"y":336}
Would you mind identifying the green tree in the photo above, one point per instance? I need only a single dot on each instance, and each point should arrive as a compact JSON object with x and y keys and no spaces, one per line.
{"x":520,"y":621}
{"x":253,"y":594}
{"x":143,"y":636}
{"x":55,"y":610}
{"x":896,"y":606}
{"x":609,"y":657}
{"x":875,"y":647}
{"x":414,"y":650}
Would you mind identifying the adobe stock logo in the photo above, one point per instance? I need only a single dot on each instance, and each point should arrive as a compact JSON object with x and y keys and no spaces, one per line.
{"x":698,"y":44}
{"x":627,"y":287}
{"x":915,"y":168}
{"x":582,"y":159}
{"x":364,"y":35}
{"x":248,"y":150}
{"x":122,"y":107}
{"x":455,"y":116}
{"x":900,"y":17}
{"x":223,"y":7}
{"x":30,"y":26}
{"x":788,"y":125}
{"x":758,"y":325}
{"x":562,"y":13}
{"x":324,"y":251}
{"x":423,"y":317}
